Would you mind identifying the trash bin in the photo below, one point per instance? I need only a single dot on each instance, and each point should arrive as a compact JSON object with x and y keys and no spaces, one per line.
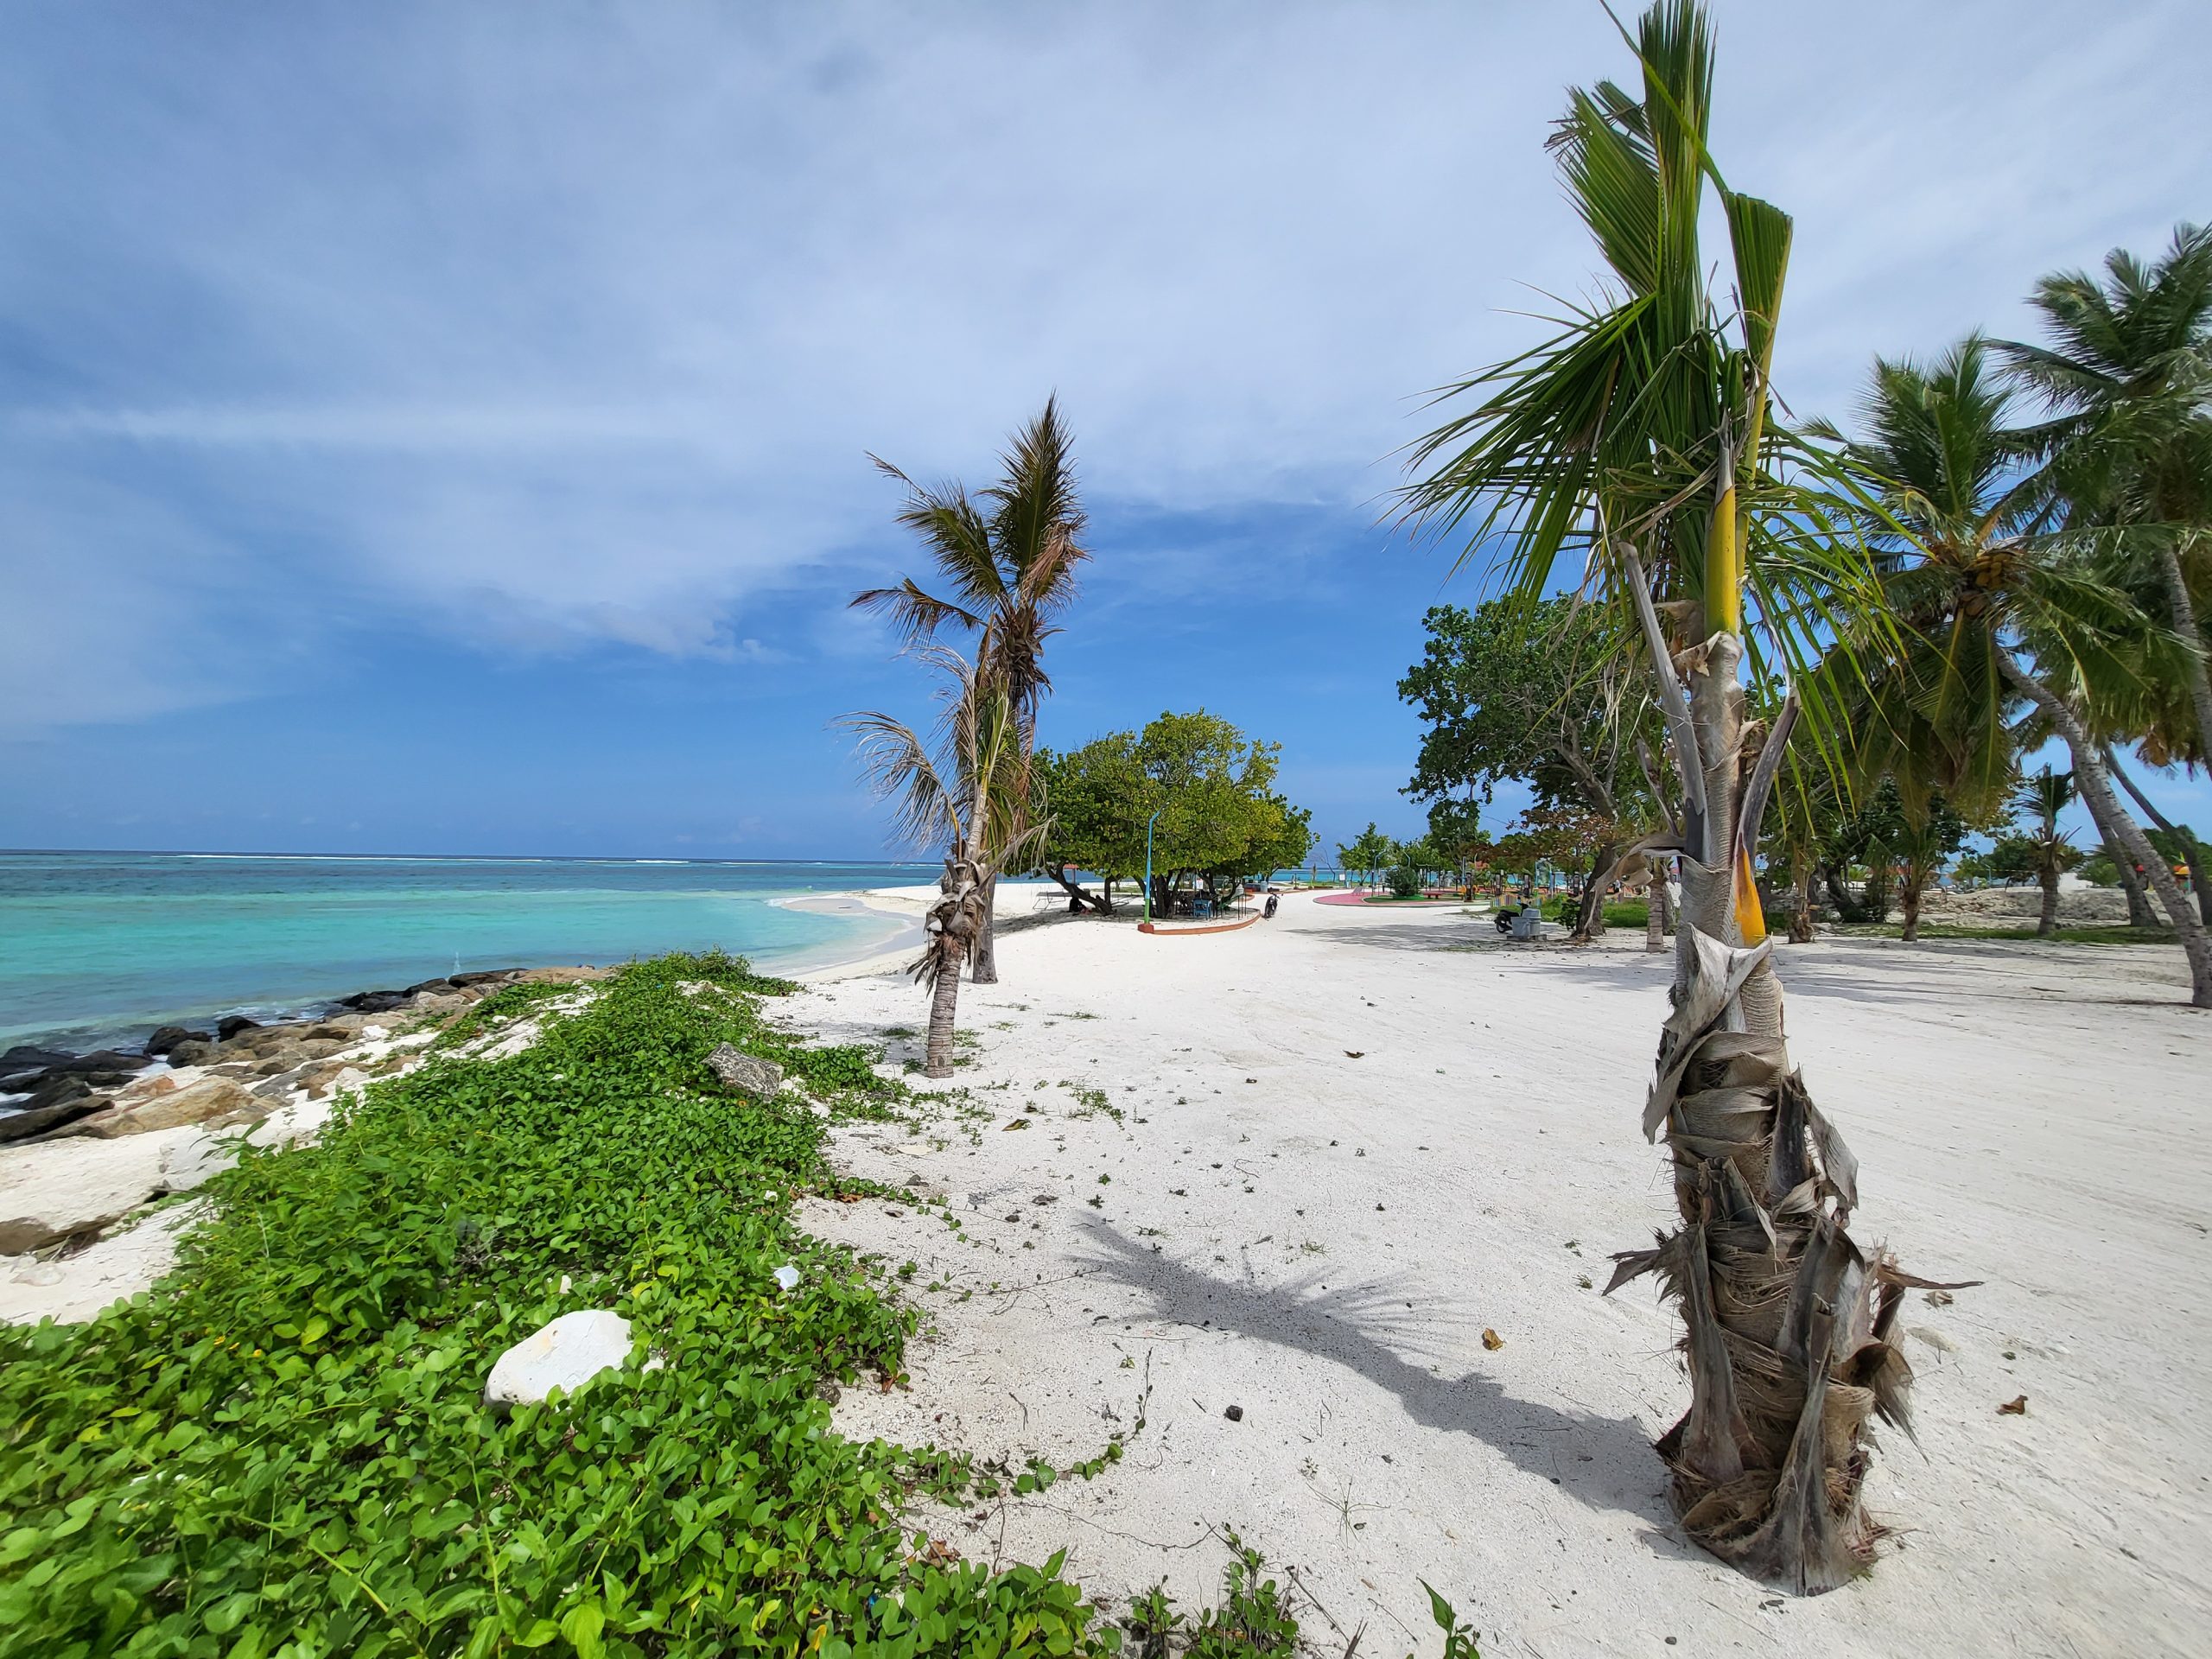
{"x":1528,"y":922}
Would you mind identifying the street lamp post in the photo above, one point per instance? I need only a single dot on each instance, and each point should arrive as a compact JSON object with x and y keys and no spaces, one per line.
{"x":1149,"y":822}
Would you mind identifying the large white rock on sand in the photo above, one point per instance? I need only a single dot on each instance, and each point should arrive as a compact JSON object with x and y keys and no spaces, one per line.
{"x":61,"y":1188}
{"x":564,"y":1354}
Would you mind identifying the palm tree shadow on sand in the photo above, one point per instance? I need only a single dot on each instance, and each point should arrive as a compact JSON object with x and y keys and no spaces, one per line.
{"x":1607,"y":1462}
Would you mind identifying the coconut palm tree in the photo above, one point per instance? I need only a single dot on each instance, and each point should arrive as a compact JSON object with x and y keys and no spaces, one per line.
{"x":1997,"y":603}
{"x":2127,"y":379}
{"x":2040,"y":799}
{"x":1641,"y":438}
{"x":1006,"y":557}
{"x":953,"y":799}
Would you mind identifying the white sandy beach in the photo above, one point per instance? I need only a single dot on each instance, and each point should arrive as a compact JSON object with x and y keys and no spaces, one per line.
{"x":1323,"y":1240}
{"x":1337,"y":1147}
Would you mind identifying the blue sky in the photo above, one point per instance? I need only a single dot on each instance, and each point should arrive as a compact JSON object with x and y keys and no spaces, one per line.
{"x":443,"y":429}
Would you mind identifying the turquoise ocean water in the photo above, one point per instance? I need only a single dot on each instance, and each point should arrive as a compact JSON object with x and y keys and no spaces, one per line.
{"x":101,"y":947}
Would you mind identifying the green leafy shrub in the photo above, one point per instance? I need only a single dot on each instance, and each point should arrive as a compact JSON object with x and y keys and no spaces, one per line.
{"x":1403,"y":880}
{"x":283,"y":1452}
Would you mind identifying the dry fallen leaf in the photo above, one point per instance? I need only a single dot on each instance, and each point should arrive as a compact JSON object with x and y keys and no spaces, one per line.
{"x":1355,"y":1053}
{"x":1939,"y":1298}
{"x":2016,"y":1408}
{"x":1019,"y":1123}
{"x":1491,"y":1340}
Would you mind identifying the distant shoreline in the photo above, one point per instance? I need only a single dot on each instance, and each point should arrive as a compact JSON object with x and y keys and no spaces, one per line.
{"x":107,"y":947}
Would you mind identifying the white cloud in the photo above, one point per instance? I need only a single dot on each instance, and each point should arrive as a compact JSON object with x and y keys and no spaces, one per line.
{"x":546,"y":326}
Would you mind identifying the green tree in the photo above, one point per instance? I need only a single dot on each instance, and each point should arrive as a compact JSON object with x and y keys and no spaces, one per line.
{"x":1642,"y":438}
{"x":1455,"y":829}
{"x":1008,"y":559}
{"x":1220,"y":816}
{"x":1367,"y":855}
{"x":2051,"y":850}
{"x":1924,"y":842}
{"x":1997,"y":606}
{"x":1093,"y":794}
{"x":2128,"y":380}
{"x":1509,"y":690}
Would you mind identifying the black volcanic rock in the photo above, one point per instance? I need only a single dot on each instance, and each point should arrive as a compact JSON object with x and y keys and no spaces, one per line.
{"x":102,"y":1060}
{"x":374,"y":1001}
{"x":169,"y":1036}
{"x":40,"y":1120}
{"x":56,"y":1088}
{"x":230,"y":1024}
{"x":23,"y":1058}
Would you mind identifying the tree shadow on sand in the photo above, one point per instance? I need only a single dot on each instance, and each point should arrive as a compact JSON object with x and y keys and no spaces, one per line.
{"x":1607,"y":1462}
{"x":1910,"y":974}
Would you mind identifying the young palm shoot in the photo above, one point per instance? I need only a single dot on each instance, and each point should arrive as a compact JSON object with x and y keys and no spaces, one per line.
{"x":1639,"y":438}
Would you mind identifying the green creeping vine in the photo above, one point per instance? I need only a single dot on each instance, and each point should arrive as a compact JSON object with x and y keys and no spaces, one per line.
{"x":283,"y":1453}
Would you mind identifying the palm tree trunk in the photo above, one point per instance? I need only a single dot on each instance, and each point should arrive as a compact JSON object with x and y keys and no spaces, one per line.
{"x":2096,"y":791}
{"x":1654,"y":912}
{"x":2139,"y":913}
{"x":2200,"y":878}
{"x":945,"y":996}
{"x":2047,"y":923}
{"x":986,"y":969}
{"x":1800,"y":918}
{"x":1788,"y":1323}
{"x":2200,"y":679}
{"x":1908,"y":903}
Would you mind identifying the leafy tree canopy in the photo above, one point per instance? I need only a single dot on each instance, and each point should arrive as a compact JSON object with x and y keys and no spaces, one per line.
{"x":1510,"y":690}
{"x":1212,"y":787}
{"x":1368,"y":852}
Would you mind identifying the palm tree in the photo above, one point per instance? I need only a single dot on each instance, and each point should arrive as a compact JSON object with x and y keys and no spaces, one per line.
{"x":1920,"y":853}
{"x":2127,"y":379}
{"x":1641,"y":438}
{"x":2040,"y":799}
{"x":1997,"y":604}
{"x":952,"y":799}
{"x":1008,"y":557}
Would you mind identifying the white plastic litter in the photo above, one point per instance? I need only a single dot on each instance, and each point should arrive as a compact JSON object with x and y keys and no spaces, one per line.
{"x":787,"y":1276}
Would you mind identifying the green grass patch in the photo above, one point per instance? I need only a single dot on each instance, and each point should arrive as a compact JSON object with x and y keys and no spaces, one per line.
{"x":282,"y":1452}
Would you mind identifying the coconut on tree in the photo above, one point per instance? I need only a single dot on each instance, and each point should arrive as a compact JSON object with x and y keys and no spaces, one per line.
{"x":1641,"y":441}
{"x":1007,"y":560}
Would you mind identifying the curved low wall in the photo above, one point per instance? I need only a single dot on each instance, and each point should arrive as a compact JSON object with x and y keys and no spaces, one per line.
{"x":1215,"y":927}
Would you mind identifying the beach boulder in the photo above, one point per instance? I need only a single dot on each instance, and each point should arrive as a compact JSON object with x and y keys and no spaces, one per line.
{"x":63,"y":1189}
{"x":741,"y":1071}
{"x":54,"y":1089}
{"x":28,"y":1125}
{"x":169,"y":1036}
{"x":232,"y":1024}
{"x":564,"y":1354}
{"x":23,"y":1059}
{"x":210,"y":1101}
{"x":193,"y":1051}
